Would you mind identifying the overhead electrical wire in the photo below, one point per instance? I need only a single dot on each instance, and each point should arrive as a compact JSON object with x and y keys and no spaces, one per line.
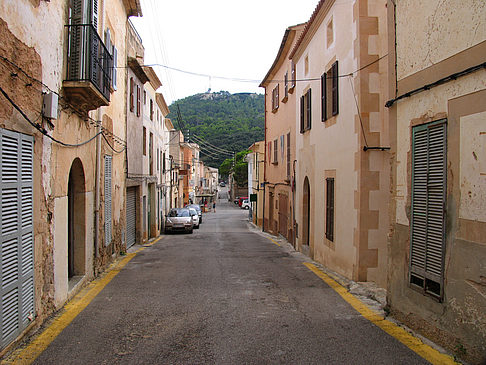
{"x":61,"y":99}
{"x":209,"y":144}
{"x":40,"y":128}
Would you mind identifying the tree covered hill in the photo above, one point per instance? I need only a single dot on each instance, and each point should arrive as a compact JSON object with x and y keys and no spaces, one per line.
{"x":229,"y":121}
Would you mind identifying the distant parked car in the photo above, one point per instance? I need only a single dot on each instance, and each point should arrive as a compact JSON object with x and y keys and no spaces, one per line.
{"x":195,"y":217}
{"x":240,"y":200}
{"x":222,"y":184}
{"x":245,"y":204}
{"x":179,"y":219}
{"x":198,"y":210}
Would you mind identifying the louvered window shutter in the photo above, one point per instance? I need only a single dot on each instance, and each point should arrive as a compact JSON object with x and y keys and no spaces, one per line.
{"x":323,"y":98}
{"x":335,"y":89}
{"x":330,"y":209}
{"x":428,"y":206}
{"x":309,"y":109}
{"x":302,"y":113}
{"x":108,"y":174}
{"x":139,"y":106}
{"x":131,"y":95}
{"x":94,"y":13}
{"x":16,"y":234}
{"x":115,"y":62}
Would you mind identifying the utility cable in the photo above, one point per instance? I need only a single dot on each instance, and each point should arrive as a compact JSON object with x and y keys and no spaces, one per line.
{"x":61,"y":98}
{"x":209,"y":144}
{"x":41,"y":128}
{"x":359,"y":113}
{"x":209,"y":147}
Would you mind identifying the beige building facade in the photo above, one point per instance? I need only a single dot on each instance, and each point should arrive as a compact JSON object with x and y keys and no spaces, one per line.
{"x":438,"y":128}
{"x":62,"y":119}
{"x":280,"y":104}
{"x":342,"y":169}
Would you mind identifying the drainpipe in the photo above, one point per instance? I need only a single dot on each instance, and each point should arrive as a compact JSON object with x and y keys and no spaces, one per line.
{"x":293,"y":207}
{"x":97,"y":186}
{"x":265,"y":163}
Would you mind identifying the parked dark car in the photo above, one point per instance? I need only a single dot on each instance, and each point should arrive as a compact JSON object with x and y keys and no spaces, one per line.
{"x":198,"y":210}
{"x":179,"y":219}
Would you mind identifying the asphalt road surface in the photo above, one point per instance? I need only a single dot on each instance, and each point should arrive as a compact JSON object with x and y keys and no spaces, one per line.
{"x":223,"y":295}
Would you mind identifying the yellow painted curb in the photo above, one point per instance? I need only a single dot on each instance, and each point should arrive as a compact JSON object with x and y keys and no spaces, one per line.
{"x":80,"y":301}
{"x":428,"y":353}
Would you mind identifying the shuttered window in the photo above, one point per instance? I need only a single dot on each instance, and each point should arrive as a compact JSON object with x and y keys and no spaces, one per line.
{"x":288,"y":156}
{"x":139,"y":107}
{"x":306,"y":111}
{"x":428,"y":207}
{"x":108,"y":226}
{"x":275,"y":151}
{"x":16,"y":234}
{"x":330,"y":209}
{"x":132,"y":101}
{"x":330,"y":92}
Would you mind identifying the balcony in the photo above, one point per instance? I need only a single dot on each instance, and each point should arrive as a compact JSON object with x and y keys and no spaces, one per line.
{"x":89,"y":67}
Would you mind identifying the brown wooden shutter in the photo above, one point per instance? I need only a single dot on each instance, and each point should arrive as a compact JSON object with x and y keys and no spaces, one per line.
{"x":335,"y":89}
{"x":323,"y":97}
{"x":138,"y":101}
{"x":288,"y":156}
{"x":330,"y":209}
{"x":309,"y":109}
{"x":132,"y":102}
{"x":302,"y":113}
{"x":275,"y":151}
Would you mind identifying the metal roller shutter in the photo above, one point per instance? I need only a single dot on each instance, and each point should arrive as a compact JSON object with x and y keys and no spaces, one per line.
{"x":428,"y":207}
{"x":131,"y":216}
{"x":16,"y":234}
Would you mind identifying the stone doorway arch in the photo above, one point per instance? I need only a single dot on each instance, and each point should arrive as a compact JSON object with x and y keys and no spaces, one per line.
{"x":306,"y":212}
{"x":76,"y":220}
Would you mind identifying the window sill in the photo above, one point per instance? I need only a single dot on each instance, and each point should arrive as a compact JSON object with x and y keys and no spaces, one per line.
{"x":275,"y":163}
{"x":275,"y":110}
{"x":291,"y":89}
{"x":284,"y":100}
{"x":330,"y":121}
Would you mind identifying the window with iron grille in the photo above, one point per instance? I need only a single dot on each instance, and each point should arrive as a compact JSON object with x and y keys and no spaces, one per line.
{"x":151,"y":109}
{"x":330,"y":208}
{"x":306,"y":111}
{"x":330,"y":93}
{"x":427,"y":236}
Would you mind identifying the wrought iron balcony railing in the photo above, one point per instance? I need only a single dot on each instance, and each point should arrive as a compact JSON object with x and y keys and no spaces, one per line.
{"x":88,"y":59}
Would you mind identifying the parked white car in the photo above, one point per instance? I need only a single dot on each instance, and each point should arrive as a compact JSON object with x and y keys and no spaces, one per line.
{"x":195,"y":217}
{"x":245,"y":204}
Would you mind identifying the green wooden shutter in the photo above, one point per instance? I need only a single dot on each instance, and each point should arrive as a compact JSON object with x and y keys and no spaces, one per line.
{"x":428,"y":207}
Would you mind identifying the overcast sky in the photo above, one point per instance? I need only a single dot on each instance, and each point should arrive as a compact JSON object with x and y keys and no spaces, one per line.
{"x":228,"y":38}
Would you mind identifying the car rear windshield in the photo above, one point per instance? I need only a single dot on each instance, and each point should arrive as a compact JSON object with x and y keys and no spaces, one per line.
{"x":179,"y":213}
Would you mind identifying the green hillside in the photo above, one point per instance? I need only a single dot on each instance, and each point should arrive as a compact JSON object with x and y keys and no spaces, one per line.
{"x":229,"y":121}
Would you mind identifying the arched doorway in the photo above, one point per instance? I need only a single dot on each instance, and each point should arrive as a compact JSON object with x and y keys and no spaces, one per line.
{"x":306,"y":212}
{"x":76,"y":220}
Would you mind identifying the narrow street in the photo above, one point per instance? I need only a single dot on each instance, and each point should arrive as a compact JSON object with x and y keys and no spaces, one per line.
{"x":223,"y":295}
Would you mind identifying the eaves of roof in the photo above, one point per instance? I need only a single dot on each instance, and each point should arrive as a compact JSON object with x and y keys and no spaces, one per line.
{"x":309,"y":25}
{"x":284,"y":46}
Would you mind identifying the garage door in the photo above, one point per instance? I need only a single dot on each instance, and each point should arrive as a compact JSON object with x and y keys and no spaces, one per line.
{"x":131,"y":216}
{"x":16,"y":235}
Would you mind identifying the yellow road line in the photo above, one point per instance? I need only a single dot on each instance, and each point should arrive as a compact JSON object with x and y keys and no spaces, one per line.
{"x":80,"y":301}
{"x":428,"y":353}
{"x":271,"y":239}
